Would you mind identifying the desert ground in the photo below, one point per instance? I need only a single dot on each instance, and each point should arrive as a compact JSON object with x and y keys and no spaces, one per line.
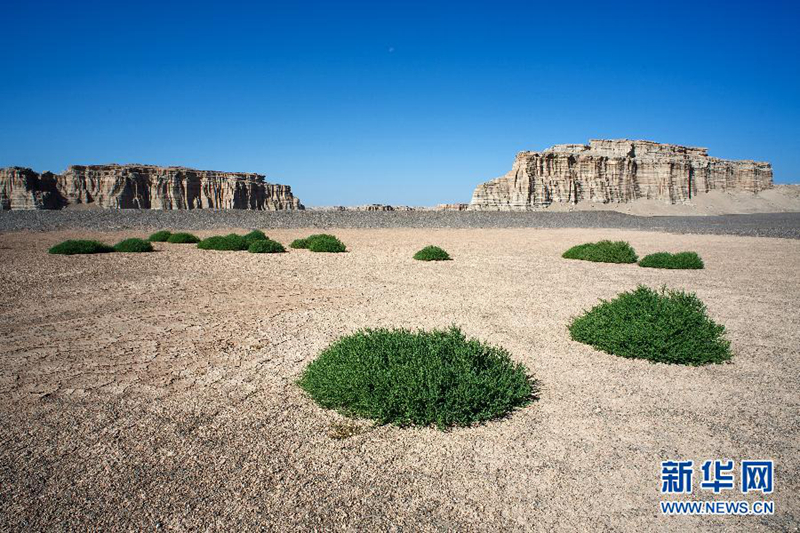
{"x":146,"y":391}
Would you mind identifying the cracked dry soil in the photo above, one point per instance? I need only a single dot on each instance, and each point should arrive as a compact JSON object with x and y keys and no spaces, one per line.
{"x":142,"y":391}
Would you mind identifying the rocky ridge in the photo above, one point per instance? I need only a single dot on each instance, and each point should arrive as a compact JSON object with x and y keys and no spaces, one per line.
{"x":388,"y":208}
{"x":141,"y":187}
{"x":452,"y":207}
{"x":606,"y":171}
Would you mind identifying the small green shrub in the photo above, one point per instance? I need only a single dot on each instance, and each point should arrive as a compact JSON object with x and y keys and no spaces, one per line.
{"x":432,"y":253}
{"x":664,"y":327}
{"x":682,"y":260}
{"x":326,"y":243}
{"x":321,"y":242}
{"x":603,"y":252}
{"x":299,"y":244}
{"x":255,"y":235}
{"x":230,"y":242}
{"x":160,"y":236}
{"x":75,"y":247}
{"x":417,"y":378}
{"x":133,"y":246}
{"x":183,"y":238}
{"x":266,"y":247}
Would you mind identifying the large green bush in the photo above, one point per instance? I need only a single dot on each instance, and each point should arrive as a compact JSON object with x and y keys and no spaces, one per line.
{"x":75,"y":247}
{"x":230,"y":242}
{"x":417,"y":378}
{"x":664,"y":327}
{"x":603,"y":252}
{"x":159,"y":236}
{"x":682,"y":260}
{"x":133,"y":246}
{"x":266,"y":247}
{"x":432,"y":253}
{"x":183,"y":238}
{"x":321,"y":242}
{"x":255,"y":235}
{"x":326,"y":243}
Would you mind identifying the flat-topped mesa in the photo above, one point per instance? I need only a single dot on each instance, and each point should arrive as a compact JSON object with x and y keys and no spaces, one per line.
{"x":606,"y":171}
{"x":142,"y":187}
{"x":22,"y":188}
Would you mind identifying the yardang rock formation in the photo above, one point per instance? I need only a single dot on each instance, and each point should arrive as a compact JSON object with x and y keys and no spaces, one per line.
{"x":141,"y":187}
{"x":616,"y":171}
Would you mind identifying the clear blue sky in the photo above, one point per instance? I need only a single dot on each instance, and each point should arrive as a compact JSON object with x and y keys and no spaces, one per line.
{"x":391,"y":102}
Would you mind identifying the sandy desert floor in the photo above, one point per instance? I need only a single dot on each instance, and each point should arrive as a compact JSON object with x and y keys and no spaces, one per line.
{"x":140,"y":391}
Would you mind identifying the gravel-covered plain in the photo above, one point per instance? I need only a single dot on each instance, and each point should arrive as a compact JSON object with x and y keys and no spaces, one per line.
{"x":157,"y":391}
{"x":782,"y":225}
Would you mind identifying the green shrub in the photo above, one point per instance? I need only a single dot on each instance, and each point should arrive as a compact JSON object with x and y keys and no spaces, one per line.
{"x":266,"y":247}
{"x":133,"y":246}
{"x":230,"y":242}
{"x":682,"y":260}
{"x":603,"y":252}
{"x":432,"y":253}
{"x":299,"y":244}
{"x":183,"y":238}
{"x":74,"y":247}
{"x":417,"y":378}
{"x":255,"y":235}
{"x":321,"y":242}
{"x":326,"y":243}
{"x":664,"y":327}
{"x":160,"y":236}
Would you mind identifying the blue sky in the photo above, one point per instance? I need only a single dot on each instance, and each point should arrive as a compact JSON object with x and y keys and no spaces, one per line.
{"x":391,"y":102}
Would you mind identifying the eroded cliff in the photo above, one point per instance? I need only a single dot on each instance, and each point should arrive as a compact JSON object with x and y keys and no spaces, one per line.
{"x":141,"y":187}
{"x":616,"y":171}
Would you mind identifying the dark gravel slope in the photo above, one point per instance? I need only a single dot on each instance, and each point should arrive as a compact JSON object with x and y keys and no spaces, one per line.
{"x":784,"y":225}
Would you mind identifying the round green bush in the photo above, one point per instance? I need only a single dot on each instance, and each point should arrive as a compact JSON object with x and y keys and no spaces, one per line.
{"x":432,"y":253}
{"x":183,"y":238}
{"x":266,"y":247}
{"x":255,"y":235}
{"x":159,"y":236}
{"x":417,"y":378}
{"x":230,"y":242}
{"x":75,"y":247}
{"x":325,"y":243}
{"x":133,"y":246}
{"x":320,"y":242}
{"x":603,"y":252}
{"x":663,"y":327}
{"x":682,"y":260}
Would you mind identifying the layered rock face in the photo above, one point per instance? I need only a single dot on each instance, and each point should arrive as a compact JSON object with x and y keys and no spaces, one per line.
{"x":142,"y":187}
{"x":616,"y":171}
{"x":22,"y":188}
{"x":452,"y":207}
